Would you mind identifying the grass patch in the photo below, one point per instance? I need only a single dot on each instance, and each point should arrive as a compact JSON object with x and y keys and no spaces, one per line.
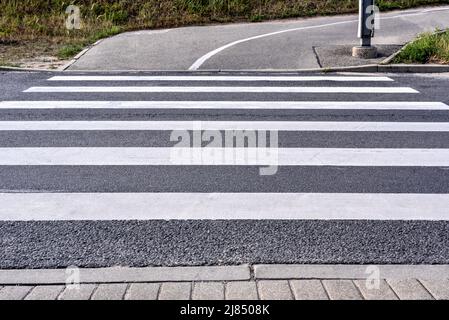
{"x":9,"y":64}
{"x":428,"y":48}
{"x":104,"y":33}
{"x":39,"y":25}
{"x":69,"y":51}
{"x":75,"y":46}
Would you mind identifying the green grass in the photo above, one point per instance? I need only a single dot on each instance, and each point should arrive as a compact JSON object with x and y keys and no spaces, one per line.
{"x":9,"y":64}
{"x":77,"y":45}
{"x":428,"y":48}
{"x":42,"y":22}
{"x":69,"y":51}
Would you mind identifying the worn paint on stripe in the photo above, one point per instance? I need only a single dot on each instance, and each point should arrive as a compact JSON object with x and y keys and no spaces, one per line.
{"x":225,"y":206}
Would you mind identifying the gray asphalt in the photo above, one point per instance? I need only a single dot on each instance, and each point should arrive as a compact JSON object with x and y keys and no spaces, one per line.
{"x":223,"y":179}
{"x":174,"y":243}
{"x":178,"y":49}
{"x":161,"y":139}
{"x":168,"y":243}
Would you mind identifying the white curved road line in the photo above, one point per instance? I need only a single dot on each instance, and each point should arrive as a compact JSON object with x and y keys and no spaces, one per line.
{"x":198,"y":63}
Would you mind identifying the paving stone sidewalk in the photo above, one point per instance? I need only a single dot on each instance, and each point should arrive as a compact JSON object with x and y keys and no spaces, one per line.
{"x":260,"y":282}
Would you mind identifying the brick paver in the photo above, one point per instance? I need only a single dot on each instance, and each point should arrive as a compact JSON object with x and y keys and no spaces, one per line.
{"x":383,"y":292}
{"x":110,"y":291}
{"x":308,"y":290}
{"x":409,"y":289}
{"x":14,"y":292}
{"x":45,"y":293}
{"x":241,"y":290}
{"x":143,"y":291}
{"x":342,"y":290}
{"x":82,"y":292}
{"x":438,"y":288}
{"x":175,"y":291}
{"x":274,"y":290}
{"x":208,"y":291}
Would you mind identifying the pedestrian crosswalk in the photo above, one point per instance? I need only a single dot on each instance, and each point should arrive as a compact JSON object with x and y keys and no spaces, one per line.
{"x":72,"y":151}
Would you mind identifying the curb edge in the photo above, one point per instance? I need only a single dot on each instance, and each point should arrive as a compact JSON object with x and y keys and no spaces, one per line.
{"x":371,"y":68}
{"x":222,"y":273}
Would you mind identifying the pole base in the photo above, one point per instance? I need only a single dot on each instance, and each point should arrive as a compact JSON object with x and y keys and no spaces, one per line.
{"x":363,"y":52}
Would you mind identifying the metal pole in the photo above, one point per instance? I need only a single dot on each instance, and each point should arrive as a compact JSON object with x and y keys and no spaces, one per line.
{"x":366,"y":22}
{"x":366,"y":30}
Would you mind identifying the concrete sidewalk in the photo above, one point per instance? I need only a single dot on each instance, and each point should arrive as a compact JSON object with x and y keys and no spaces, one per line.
{"x":305,"y":43}
{"x":259,"y":282}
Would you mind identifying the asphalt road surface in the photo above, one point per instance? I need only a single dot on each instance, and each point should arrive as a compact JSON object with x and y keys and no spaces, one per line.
{"x":275,"y":45}
{"x":90,"y":176}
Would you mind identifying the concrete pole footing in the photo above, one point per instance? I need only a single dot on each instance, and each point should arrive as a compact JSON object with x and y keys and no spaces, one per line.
{"x":364,"y":52}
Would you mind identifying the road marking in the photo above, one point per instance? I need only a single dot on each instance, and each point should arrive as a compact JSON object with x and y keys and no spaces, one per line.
{"x":157,"y":89}
{"x":222,"y":78}
{"x":225,"y":156}
{"x":226,"y":206}
{"x":224,"y":125}
{"x":216,"y":105}
{"x":198,"y":63}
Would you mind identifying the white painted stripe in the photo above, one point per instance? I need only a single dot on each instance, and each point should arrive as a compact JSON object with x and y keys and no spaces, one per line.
{"x":247,"y":105}
{"x":225,"y":156}
{"x":157,"y":89}
{"x":224,"y":125}
{"x":223,"y":78}
{"x":198,"y":206}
